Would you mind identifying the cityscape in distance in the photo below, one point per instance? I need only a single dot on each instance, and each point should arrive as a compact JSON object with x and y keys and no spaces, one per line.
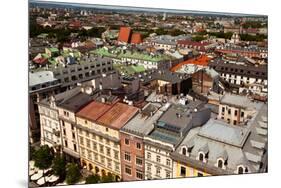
{"x":122,"y":94}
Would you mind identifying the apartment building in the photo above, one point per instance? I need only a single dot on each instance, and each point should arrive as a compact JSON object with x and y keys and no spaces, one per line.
{"x":169,"y":130}
{"x":67,"y":110}
{"x":98,"y":127}
{"x":235,"y":109}
{"x":132,"y":145}
{"x":206,"y":151}
{"x":239,"y":74}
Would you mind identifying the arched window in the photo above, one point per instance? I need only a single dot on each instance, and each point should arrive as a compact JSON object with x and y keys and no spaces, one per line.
{"x":220,"y":163}
{"x":240,"y":170}
{"x":201,"y":156}
{"x":183,"y":151}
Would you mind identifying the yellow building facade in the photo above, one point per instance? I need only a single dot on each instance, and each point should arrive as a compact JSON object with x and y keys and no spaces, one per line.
{"x":181,"y":170}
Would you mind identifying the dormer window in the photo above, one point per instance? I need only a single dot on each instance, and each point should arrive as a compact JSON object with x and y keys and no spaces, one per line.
{"x":201,"y":157}
{"x":203,"y":153}
{"x":220,"y":163}
{"x":242,"y":170}
{"x":183,"y":150}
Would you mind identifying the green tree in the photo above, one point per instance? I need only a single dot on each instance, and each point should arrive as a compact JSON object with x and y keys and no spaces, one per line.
{"x":107,"y":178}
{"x":72,"y":173}
{"x":93,"y":179}
{"x":43,"y":157}
{"x":59,"y":165}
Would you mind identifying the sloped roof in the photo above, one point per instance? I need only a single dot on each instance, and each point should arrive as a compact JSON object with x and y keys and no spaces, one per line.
{"x":136,"y":38}
{"x":118,"y":115}
{"x":124,"y":34}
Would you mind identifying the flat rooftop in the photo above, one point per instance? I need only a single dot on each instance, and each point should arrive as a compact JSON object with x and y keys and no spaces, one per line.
{"x":220,"y":131}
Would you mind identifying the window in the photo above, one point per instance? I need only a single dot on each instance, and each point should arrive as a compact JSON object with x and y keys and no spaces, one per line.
{"x":73,"y":135}
{"x":93,"y":136}
{"x":138,"y":145}
{"x":81,"y":140}
{"x":117,"y":167}
{"x":158,"y":171}
{"x":127,"y":156}
{"x":199,"y":174}
{"x":88,"y":143}
{"x":95,"y":146}
{"x":101,"y":148}
{"x":168,"y":162}
{"x":65,"y":143}
{"x":107,"y":141}
{"x":183,"y":171}
{"x":101,"y":139}
{"x":72,"y":127}
{"x":223,"y":109}
{"x":139,"y":174}
{"x":66,"y":113}
{"x":240,"y":170}
{"x":116,"y":154}
{"x":158,"y":159}
{"x":89,"y":154}
{"x":148,"y":168}
{"x":234,"y":122}
{"x":138,"y":161}
{"x":108,"y":151}
{"x":235,"y":112}
{"x":109,"y":165}
{"x":106,"y":129}
{"x":86,"y":122}
{"x":183,"y":151}
{"x":242,"y":114}
{"x":229,"y":111}
{"x":128,"y":170}
{"x":127,"y":142}
{"x":201,"y":156}
{"x":168,"y":174}
{"x":64,"y":133}
{"x":102,"y":159}
{"x":148,"y":155}
{"x":220,"y":163}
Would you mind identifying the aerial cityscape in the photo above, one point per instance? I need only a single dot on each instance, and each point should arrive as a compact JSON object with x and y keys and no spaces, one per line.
{"x":128,"y":94}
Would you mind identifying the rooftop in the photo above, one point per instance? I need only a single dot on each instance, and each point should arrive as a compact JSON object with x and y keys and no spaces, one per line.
{"x":118,"y":115}
{"x":76,"y":102}
{"x":143,"y":123}
{"x":232,"y":135}
{"x":93,"y":111}
{"x":41,"y":77}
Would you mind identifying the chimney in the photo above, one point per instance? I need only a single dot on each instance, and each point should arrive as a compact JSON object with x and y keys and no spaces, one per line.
{"x":103,"y":99}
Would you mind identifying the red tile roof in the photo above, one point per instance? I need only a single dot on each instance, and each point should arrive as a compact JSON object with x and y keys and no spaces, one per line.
{"x":136,"y":38}
{"x":40,"y":60}
{"x":118,"y":115}
{"x":93,"y":110}
{"x":124,"y":34}
{"x":203,"y":60}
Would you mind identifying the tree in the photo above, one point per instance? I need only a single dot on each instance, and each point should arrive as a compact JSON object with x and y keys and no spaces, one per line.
{"x":93,"y":179}
{"x":107,"y":178}
{"x":59,"y":166}
{"x":43,"y":157}
{"x":72,"y":173}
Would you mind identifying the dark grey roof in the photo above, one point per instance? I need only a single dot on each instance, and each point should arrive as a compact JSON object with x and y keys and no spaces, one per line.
{"x":76,"y":102}
{"x":222,"y":66}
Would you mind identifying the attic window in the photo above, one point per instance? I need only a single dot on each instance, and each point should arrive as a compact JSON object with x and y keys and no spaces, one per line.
{"x":201,"y":156}
{"x":183,"y":151}
{"x":220,"y":163}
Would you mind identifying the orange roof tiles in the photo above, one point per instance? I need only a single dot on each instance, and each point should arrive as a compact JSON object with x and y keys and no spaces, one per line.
{"x":136,"y":38}
{"x":118,"y":115}
{"x":93,"y":110}
{"x":203,"y":60}
{"x":124,"y":34}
